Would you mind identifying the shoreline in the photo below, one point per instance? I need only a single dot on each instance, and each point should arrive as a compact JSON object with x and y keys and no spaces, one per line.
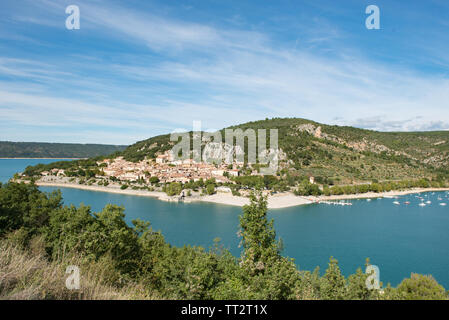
{"x":278,"y":201}
{"x":388,"y":194}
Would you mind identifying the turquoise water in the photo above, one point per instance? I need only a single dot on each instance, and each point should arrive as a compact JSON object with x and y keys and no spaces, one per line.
{"x":10,"y":166}
{"x":400,"y":239}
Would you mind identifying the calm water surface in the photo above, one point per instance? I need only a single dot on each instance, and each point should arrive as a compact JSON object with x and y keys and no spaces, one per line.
{"x":400,"y":239}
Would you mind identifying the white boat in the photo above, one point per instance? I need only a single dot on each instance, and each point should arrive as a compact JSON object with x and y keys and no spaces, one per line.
{"x":442,"y":204}
{"x":368,"y":199}
{"x":422,"y":204}
{"x":396,"y":202}
{"x":337,"y":203}
{"x":428,"y":202}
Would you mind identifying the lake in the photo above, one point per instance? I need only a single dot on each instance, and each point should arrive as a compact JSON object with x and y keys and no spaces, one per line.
{"x":399,"y":239}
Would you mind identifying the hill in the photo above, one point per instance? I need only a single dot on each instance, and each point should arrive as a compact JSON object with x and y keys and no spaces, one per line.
{"x":55,"y":150}
{"x":339,"y":153}
{"x":335,"y":156}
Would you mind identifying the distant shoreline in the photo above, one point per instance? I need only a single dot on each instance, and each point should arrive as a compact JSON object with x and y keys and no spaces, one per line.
{"x":278,"y":201}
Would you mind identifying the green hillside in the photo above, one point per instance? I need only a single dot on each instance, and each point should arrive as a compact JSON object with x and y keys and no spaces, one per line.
{"x":338,"y":153}
{"x":333,"y":155}
{"x":54,"y":150}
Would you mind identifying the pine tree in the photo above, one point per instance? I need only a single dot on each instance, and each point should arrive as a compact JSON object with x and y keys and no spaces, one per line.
{"x":333,"y":286}
{"x":258,"y":235}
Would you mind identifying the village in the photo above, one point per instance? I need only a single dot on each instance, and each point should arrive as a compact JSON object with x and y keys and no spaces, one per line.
{"x":165,"y":168}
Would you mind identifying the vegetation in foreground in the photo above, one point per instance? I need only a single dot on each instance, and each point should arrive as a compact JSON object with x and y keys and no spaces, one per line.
{"x":40,"y":237}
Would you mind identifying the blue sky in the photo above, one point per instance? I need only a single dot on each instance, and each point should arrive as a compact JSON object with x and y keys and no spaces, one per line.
{"x":136,"y":69}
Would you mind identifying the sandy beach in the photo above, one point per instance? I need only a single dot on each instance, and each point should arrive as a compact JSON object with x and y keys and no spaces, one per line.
{"x":277,"y":201}
{"x":274,"y":202}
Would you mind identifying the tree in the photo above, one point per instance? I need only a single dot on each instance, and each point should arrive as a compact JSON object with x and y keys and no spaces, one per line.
{"x":173,"y":189}
{"x":420,"y":287}
{"x":210,"y":189}
{"x":154,"y":180}
{"x":333,"y":285}
{"x":357,"y":288}
{"x":258,"y":235}
{"x":24,"y":206}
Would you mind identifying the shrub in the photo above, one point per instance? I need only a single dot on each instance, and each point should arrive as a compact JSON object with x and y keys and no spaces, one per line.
{"x":421,"y":287}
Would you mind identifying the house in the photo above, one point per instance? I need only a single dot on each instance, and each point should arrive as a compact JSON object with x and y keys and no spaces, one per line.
{"x":233,"y":173}
{"x":224,"y":189}
{"x":311,"y":180}
{"x":129,"y":176}
{"x":188,"y":161}
{"x":162,"y":158}
{"x":217,"y":172}
{"x":109,"y":172}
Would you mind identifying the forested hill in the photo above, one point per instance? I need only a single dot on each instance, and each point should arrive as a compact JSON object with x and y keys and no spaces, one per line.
{"x":341,"y":153}
{"x":337,"y":155}
{"x":55,"y":150}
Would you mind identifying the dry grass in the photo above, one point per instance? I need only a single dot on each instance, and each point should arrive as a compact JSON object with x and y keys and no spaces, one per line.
{"x":28,"y":275}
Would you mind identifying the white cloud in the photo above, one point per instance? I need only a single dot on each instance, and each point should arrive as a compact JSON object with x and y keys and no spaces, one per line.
{"x":238,"y":76}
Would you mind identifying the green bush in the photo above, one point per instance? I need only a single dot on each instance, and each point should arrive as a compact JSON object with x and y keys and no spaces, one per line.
{"x":137,"y":254}
{"x":210,"y":189}
{"x":420,"y":287}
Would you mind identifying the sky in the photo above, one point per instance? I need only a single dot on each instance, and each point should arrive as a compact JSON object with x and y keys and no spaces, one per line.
{"x":136,"y":69}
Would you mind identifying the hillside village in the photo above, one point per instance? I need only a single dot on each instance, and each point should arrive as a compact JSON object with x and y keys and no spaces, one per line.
{"x":167,"y":170}
{"x":164,"y":167}
{"x":314,"y":159}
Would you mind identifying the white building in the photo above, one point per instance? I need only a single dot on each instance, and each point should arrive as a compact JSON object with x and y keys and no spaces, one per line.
{"x":233,"y":172}
{"x":224,"y":189}
{"x":217,"y":172}
{"x":162,"y":158}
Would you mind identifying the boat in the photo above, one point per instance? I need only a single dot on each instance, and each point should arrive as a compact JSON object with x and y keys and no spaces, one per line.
{"x":428,"y":202}
{"x":407,"y":202}
{"x":396,"y":202}
{"x":337,"y":203}
{"x":422,"y":204}
{"x":442,"y":204}
{"x":368,"y":199}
